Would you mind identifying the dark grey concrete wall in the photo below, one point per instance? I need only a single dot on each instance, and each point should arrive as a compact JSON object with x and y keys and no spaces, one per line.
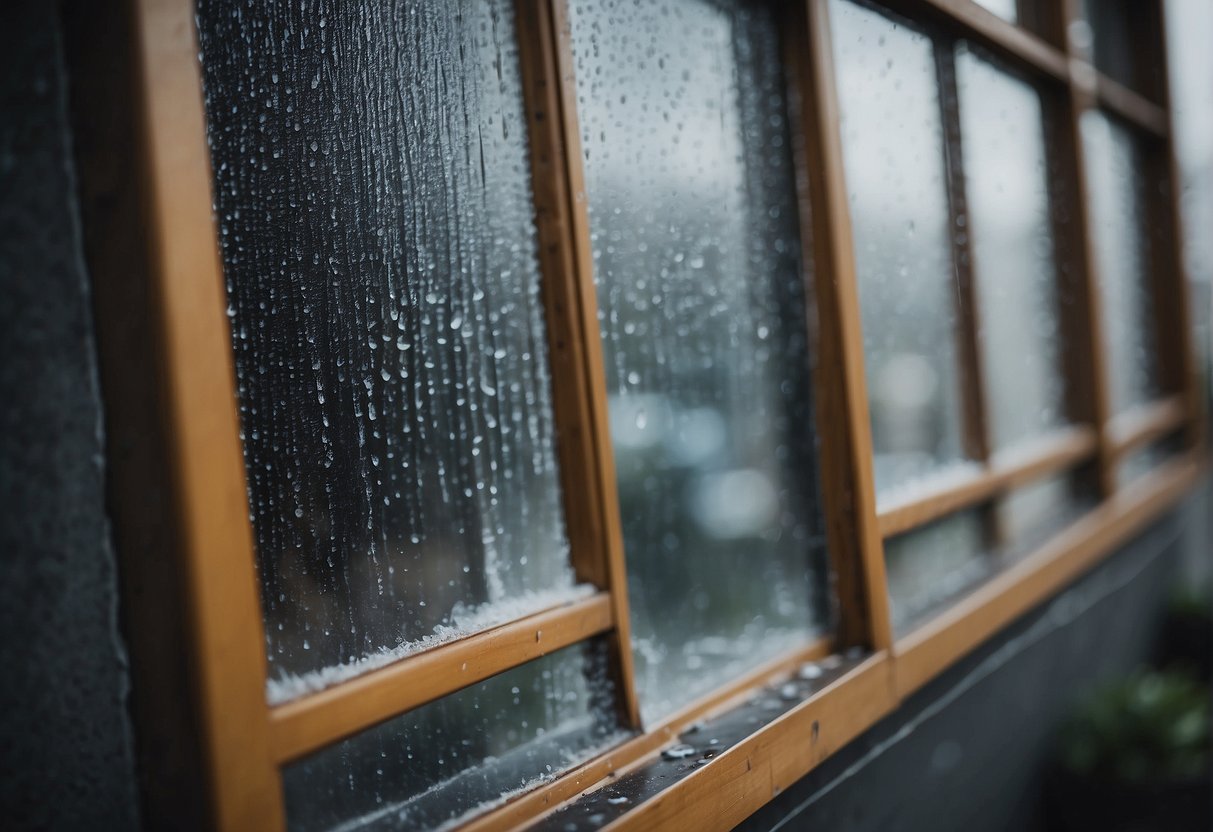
{"x":65,"y":743}
{"x":967,"y":752}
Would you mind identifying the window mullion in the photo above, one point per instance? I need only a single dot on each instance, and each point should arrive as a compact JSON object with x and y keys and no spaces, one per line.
{"x":579,"y":387}
{"x":848,"y":490}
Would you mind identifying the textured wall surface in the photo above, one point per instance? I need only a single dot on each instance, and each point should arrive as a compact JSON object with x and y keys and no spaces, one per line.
{"x":65,"y":750}
{"x":966,"y":752}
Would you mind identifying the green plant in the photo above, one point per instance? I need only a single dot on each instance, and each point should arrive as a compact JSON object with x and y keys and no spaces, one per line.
{"x":1149,"y":727}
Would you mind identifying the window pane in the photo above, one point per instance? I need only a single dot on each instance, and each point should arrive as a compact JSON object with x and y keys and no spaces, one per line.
{"x":1145,"y":460}
{"x":1008,"y":217}
{"x":376,"y":217}
{"x":1034,"y":512}
{"x":1119,"y":41}
{"x":443,"y":760}
{"x":932,"y":565}
{"x":893,"y":152}
{"x":1116,"y":188}
{"x":696,"y":256}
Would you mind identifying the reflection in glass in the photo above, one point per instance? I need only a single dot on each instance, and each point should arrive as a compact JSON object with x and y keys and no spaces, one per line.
{"x":1117,"y":188}
{"x":439,"y":762}
{"x":696,"y":256}
{"x":894,"y":162}
{"x":930,"y":566}
{"x":1034,"y":512}
{"x":1008,"y":218}
{"x":376,"y":219}
{"x":1114,"y":33}
{"x":1003,"y":8}
{"x":1146,"y":460}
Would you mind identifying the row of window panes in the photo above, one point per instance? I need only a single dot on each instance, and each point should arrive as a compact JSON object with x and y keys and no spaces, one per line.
{"x":377,"y":224}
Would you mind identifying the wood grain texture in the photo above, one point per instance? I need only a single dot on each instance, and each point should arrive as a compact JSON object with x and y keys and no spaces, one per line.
{"x":209,"y":502}
{"x":320,"y":719}
{"x":571,"y":303}
{"x":855,"y":544}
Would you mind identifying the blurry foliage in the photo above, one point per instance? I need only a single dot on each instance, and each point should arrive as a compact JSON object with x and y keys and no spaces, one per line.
{"x":1149,"y":727}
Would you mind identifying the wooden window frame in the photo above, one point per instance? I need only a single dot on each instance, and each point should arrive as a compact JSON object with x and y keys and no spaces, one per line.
{"x":187,"y":395}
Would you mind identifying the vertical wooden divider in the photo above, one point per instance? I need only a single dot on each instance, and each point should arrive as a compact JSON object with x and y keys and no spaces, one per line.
{"x":856,"y":546}
{"x":973,"y":390}
{"x":207,"y":494}
{"x":1172,"y":292}
{"x":587,"y":461}
{"x":1086,"y":370}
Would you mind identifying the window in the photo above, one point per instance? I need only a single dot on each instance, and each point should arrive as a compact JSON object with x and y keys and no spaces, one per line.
{"x":557,"y":388}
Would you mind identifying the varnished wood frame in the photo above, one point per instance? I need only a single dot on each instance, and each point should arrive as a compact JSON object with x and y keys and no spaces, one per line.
{"x":244,"y":742}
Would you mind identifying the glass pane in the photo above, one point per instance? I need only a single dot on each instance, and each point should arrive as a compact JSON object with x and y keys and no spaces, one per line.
{"x":933,"y":565}
{"x":1008,"y":218}
{"x":893,"y":152}
{"x":1119,"y":42}
{"x":1003,"y":8}
{"x":429,"y":767}
{"x":1034,"y":512}
{"x":1145,"y":460}
{"x":1116,"y":188}
{"x":376,"y":218}
{"x":696,"y":256}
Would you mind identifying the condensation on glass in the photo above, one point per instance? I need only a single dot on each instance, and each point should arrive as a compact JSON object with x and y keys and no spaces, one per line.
{"x":432,"y":766}
{"x":374,"y":201}
{"x":1008,"y":219}
{"x":1116,"y":187}
{"x":893,"y":153}
{"x":691,"y":195}
{"x":930,"y":566}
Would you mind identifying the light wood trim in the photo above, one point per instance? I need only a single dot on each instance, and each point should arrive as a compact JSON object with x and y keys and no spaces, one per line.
{"x":591,"y":775}
{"x":1057,"y":451}
{"x":1131,"y":106}
{"x":312,"y":722}
{"x":966,"y":19}
{"x":848,"y":491}
{"x":930,"y":649}
{"x":209,"y":500}
{"x":733,"y":786}
{"x":1173,"y":295}
{"x":579,"y":382}
{"x":1146,"y":424}
{"x":1088,"y":397}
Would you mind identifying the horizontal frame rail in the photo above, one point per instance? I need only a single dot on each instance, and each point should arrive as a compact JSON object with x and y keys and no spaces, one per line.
{"x":312,"y":722}
{"x":931,"y":648}
{"x":1131,"y":106}
{"x":1056,"y":451}
{"x":1146,"y":423}
{"x":595,"y":773}
{"x":966,"y":19}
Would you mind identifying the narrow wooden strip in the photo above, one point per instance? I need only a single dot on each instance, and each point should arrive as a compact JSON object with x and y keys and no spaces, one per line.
{"x":966,"y":19}
{"x":604,"y":769}
{"x":1146,"y":424}
{"x":1131,"y":106}
{"x":571,"y":303}
{"x":1173,"y":295}
{"x":733,"y":786}
{"x":848,"y":492}
{"x":927,"y":651}
{"x":209,"y":499}
{"x":1057,"y":451}
{"x":1087,"y":394}
{"x":312,"y":722}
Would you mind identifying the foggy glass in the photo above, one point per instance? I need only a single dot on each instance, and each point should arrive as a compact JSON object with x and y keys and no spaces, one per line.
{"x":1116,"y":187}
{"x":374,"y":202}
{"x":433,"y":765}
{"x":1008,"y":217}
{"x":930,"y":566}
{"x":696,"y":253}
{"x":1032,"y":513}
{"x":894,"y":162}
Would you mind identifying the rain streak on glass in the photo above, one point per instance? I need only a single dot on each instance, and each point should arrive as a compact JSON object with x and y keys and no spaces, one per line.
{"x":1008,"y":218}
{"x":442,"y":761}
{"x":892,"y":142}
{"x":375,"y":208}
{"x":696,"y":257}
{"x":1116,"y":189}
